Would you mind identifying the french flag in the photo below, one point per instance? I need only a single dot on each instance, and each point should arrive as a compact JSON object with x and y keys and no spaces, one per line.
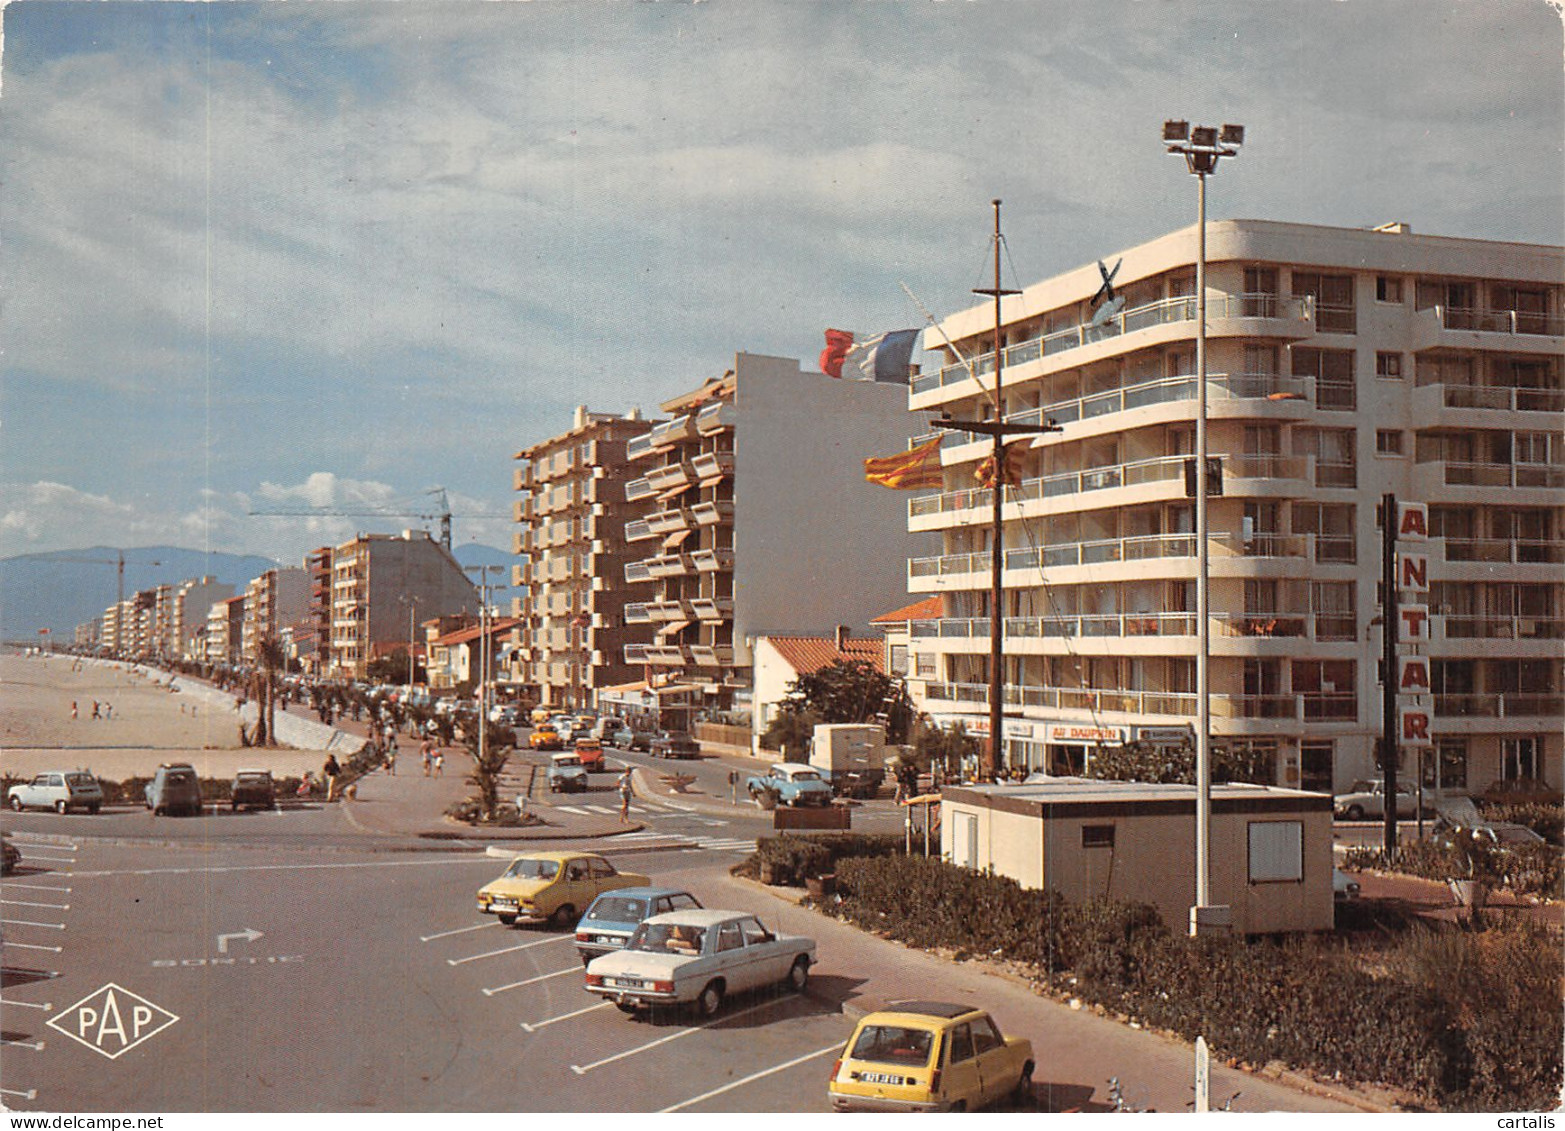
{"x":885,"y":357}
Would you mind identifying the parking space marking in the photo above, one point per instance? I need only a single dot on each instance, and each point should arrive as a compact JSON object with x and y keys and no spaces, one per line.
{"x":464,"y":858}
{"x":32,"y":946}
{"x":46,"y":1006}
{"x":508,"y":949}
{"x":532,"y":981}
{"x":30,"y":1094}
{"x":30,"y":923}
{"x":750,"y":1078}
{"x":46,"y":906}
{"x":36,"y":1046}
{"x":35,"y":887}
{"x":29,"y":856}
{"x":534,"y":1026}
{"x":458,"y":931}
{"x":583,"y":1069}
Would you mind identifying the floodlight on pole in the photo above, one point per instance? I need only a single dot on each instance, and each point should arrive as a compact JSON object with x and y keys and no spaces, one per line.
{"x":1202,"y":147}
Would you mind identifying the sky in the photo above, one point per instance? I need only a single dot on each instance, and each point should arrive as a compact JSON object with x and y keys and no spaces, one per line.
{"x":272,"y":255}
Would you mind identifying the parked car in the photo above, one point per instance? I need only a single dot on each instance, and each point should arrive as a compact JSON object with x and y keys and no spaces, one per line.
{"x":674,"y":744}
{"x":174,"y":789}
{"x":566,"y":773}
{"x":789,"y":783}
{"x":615,"y":915}
{"x":545,"y":737}
{"x":552,"y":886}
{"x":539,"y":715}
{"x":929,"y":1056}
{"x":252,"y":789}
{"x":629,"y":738}
{"x":60,"y":790}
{"x":10,"y":856}
{"x":590,"y":751}
{"x":505,"y":714}
{"x":1367,"y":799}
{"x":699,"y":958}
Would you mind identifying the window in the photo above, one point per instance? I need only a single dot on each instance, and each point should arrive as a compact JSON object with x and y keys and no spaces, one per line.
{"x":1260,"y":292}
{"x":1388,"y":288}
{"x":755,"y":933}
{"x":1276,"y":852}
{"x":925,"y":662}
{"x":1451,"y":756}
{"x":986,"y":1036}
{"x":1333,"y":373}
{"x":1317,"y":757}
{"x":1518,"y":758}
{"x":1388,"y":442}
{"x":1097,"y":836}
{"x":899,"y":659}
{"x":962,"y":1044}
{"x":1388,"y":365}
{"x":1333,"y":296}
{"x":728,"y":937}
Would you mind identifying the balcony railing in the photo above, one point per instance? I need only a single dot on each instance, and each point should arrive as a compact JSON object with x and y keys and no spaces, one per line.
{"x":705,"y":561}
{"x":710,"y":514}
{"x":637,"y":530}
{"x":1158,"y":313}
{"x":674,"y":474}
{"x":1504,"y":550}
{"x":712,"y":465}
{"x":1456,"y":474}
{"x":637,"y":571}
{"x":1501,"y":705}
{"x":715,"y":418}
{"x":639,"y":446}
{"x":1059,"y":627}
{"x":1460,"y":627}
{"x":639,"y":489}
{"x":1505,"y":398}
{"x":669,"y":521}
{"x":638,"y":613}
{"x":713,"y":608}
{"x":1500,"y":321}
{"x":1312,"y":706}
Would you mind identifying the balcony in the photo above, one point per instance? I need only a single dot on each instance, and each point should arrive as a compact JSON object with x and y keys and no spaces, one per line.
{"x":1501,"y":705}
{"x":713,"y":465}
{"x":522,"y":509}
{"x":713,"y":608}
{"x":1500,"y":321}
{"x":716,"y":513}
{"x":1546,"y":475}
{"x":1095,"y":700}
{"x":1505,"y":551}
{"x":1492,"y":398}
{"x":668,"y":565}
{"x":673,"y":431}
{"x":706,"y":561}
{"x":669,"y":521}
{"x":1300,"y":707}
{"x":638,"y":489}
{"x":636,"y":653}
{"x":667,"y":611}
{"x":637,"y":571}
{"x":712,"y":655}
{"x":664,"y":478}
{"x":666,"y":655}
{"x":637,"y":530}
{"x":715,"y":418}
{"x":1296,"y":312}
{"x":1462,"y":627}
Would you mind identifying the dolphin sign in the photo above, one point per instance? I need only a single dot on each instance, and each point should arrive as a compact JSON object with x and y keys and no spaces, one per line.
{"x":1105,"y":303}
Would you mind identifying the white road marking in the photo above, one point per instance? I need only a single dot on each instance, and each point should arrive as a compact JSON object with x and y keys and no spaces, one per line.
{"x":30,"y":1094}
{"x":48,"y":906}
{"x":30,"y":856}
{"x":530,"y":981}
{"x":34,"y":887}
{"x":46,"y":1006}
{"x":36,"y":1046}
{"x":462,"y":859}
{"x":605,"y":810}
{"x":750,"y":1078}
{"x":571,"y":809}
{"x":533,"y":1027}
{"x":583,"y":1069}
{"x":30,"y":923}
{"x":459,"y":931}
{"x":33,"y":946}
{"x":507,"y":950}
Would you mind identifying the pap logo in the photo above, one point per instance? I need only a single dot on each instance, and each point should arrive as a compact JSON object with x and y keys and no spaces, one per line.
{"x":112,"y":1020}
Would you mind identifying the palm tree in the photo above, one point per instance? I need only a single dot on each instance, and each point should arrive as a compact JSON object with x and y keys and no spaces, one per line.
{"x":269,"y":655}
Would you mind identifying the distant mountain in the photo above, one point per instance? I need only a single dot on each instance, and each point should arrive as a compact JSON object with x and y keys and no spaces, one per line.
{"x":477,"y":554}
{"x":63,"y":589}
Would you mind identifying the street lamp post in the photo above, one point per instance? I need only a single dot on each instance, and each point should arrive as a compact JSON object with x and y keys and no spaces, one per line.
{"x":412,"y":604}
{"x":484,"y":588}
{"x":1202,"y":147}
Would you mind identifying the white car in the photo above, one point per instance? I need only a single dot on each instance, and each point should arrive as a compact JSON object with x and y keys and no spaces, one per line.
{"x":1367,"y":799}
{"x":699,"y":957}
{"x":60,"y":790}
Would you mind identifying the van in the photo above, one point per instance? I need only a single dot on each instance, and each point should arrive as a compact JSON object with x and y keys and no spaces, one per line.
{"x":175,"y":789}
{"x":606,"y":726}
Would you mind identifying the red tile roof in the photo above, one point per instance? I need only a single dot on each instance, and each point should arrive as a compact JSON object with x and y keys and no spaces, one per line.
{"x":464,"y":635}
{"x":927,"y":609}
{"x":806,"y":654}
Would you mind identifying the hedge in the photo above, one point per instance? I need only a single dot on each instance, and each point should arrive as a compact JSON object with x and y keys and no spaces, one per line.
{"x":1469,"y":1020}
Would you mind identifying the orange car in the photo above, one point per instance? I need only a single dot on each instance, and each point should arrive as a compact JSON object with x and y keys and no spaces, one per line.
{"x":590,"y":751}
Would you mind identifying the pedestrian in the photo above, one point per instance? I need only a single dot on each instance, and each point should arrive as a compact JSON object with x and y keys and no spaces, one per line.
{"x":73,"y":710}
{"x":330,"y":771}
{"x":440,"y":762}
{"x":391,"y":761}
{"x":624,"y":795}
{"x":97,"y":711}
{"x":108,"y":710}
{"x":428,"y":752}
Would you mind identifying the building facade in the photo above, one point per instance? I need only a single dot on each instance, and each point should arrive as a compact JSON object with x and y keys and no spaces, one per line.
{"x":756,"y":519}
{"x":1342,"y":364}
{"x":275,"y":601}
{"x":571,"y":632}
{"x":193,"y":600}
{"x":382,"y":585}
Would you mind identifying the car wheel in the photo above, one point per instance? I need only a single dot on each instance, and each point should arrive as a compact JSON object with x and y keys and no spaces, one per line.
{"x":563,"y":914}
{"x":16,"y":803}
{"x":62,"y":807}
{"x":1355,"y":813}
{"x":1023,"y":1093}
{"x":711,"y":999}
{"x":507,"y":920}
{"x":799,"y":974}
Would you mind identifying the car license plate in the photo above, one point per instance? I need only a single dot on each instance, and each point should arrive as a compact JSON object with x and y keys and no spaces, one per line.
{"x":879,"y":1078}
{"x":609,"y":940}
{"x":625,"y":983}
{"x":503,"y":904}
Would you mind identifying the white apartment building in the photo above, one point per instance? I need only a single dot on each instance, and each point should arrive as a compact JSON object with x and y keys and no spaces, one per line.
{"x":277,"y":600}
{"x":1342,"y":364}
{"x":571,"y":514}
{"x":382,"y":584}
{"x":193,"y":600}
{"x":756,"y":519}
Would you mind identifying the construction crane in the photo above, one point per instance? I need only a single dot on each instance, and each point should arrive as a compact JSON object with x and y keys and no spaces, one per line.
{"x":117,"y":561}
{"x":443,"y":513}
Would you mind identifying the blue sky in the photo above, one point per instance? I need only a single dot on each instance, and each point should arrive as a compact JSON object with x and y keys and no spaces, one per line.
{"x":267,"y":254}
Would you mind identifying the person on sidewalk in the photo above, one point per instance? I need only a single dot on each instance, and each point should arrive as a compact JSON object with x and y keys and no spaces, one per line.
{"x":428,"y":751}
{"x":440,"y":762}
{"x":330,"y":771}
{"x":624,"y":796}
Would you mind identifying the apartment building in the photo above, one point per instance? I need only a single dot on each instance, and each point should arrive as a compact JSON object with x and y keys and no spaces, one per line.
{"x":193,"y":599}
{"x":225,"y":630}
{"x":755,"y":519}
{"x":1342,"y":364}
{"x":382,"y":584}
{"x":571,"y":512}
{"x":316,"y":659}
{"x":274,"y":601}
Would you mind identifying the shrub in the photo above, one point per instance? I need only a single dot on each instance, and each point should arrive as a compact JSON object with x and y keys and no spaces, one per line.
{"x":806,"y":857}
{"x":1548,"y":821}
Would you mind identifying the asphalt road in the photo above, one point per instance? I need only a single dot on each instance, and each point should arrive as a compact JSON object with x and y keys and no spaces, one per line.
{"x":355,"y":983}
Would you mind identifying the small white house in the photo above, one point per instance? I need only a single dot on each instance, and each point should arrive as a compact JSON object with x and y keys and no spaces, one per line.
{"x":1271,"y":861}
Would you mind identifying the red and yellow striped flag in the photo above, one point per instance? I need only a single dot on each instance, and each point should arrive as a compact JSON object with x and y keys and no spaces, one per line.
{"x":911,"y":470}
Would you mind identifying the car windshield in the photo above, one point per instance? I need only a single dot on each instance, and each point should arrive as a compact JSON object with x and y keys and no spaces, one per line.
{"x":668,"y":938}
{"x":618,"y":909}
{"x":893,"y":1044}
{"x":254,"y":779}
{"x":180,"y":777}
{"x":525,"y":869}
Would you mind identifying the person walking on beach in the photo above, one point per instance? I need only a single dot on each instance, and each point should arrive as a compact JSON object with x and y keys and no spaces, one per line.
{"x":624,"y":796}
{"x":97,"y":711}
{"x":330,"y":771}
{"x":73,"y":710}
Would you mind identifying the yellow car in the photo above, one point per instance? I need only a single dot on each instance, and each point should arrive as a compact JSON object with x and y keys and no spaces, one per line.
{"x":545,"y":738}
{"x":552,"y":886}
{"x":930,"y":1056}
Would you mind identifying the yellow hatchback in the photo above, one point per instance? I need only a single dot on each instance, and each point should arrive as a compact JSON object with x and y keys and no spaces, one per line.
{"x":930,"y":1056}
{"x":553,"y":886}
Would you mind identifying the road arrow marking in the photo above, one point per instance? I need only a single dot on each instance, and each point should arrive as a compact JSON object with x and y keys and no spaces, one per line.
{"x":249,"y":934}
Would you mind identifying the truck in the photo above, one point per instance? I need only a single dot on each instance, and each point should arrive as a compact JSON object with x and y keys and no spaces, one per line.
{"x":850,"y":757}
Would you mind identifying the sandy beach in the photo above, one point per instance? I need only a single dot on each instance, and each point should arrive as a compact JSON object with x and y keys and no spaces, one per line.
{"x":149,"y":722}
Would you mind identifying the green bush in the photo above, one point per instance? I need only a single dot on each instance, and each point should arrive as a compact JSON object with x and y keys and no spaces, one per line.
{"x":806,"y":857}
{"x":1548,"y":821}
